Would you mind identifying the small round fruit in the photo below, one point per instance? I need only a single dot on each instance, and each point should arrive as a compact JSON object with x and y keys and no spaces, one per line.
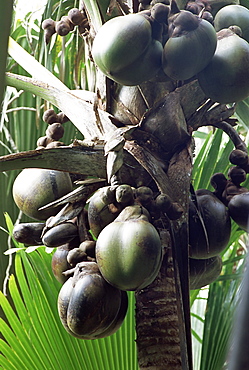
{"x":203,"y":272}
{"x":239,"y":210}
{"x":35,"y":187}
{"x":75,"y":16}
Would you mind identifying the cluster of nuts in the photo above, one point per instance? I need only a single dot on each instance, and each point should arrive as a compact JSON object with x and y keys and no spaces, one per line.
{"x":201,"y":8}
{"x":55,"y":130}
{"x":230,"y":189}
{"x":147,"y":4}
{"x":66,"y":24}
{"x":227,"y":187}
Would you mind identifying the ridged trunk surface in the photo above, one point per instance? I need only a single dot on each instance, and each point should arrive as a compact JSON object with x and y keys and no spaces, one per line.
{"x":162,"y":309}
{"x":157,"y":323}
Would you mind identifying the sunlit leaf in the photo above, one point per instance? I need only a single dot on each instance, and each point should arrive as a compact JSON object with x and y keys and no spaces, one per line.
{"x":34,"y":323}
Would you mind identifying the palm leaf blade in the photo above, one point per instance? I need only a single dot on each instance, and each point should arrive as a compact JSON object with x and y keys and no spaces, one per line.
{"x":8,"y":358}
{"x":51,"y":346}
{"x":27,"y":323}
{"x":15,"y":343}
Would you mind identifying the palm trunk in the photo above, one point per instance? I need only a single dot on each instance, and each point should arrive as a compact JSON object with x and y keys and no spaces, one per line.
{"x":162,"y":309}
{"x":157,"y":323}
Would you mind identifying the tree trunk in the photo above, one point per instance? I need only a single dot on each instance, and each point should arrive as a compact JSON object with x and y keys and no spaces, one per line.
{"x":157,"y":323}
{"x":162,"y":309}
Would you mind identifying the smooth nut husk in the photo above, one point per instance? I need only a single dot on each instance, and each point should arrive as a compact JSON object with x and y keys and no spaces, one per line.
{"x":101,"y":209}
{"x":190,"y":47}
{"x":129,"y":253}
{"x":87,"y":304}
{"x":35,"y":187}
{"x":209,"y":230}
{"x":60,"y":234}
{"x":225,"y":78}
{"x":125,"y":51}
{"x":204,"y":271}
{"x":115,"y":46}
{"x":231,"y":15}
{"x":239,"y":210}
{"x":29,"y":233}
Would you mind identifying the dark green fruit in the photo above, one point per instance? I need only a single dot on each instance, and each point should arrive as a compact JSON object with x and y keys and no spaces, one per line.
{"x":128,"y":251}
{"x":60,"y":234}
{"x":239,"y":158}
{"x":35,"y":187}
{"x":239,"y":210}
{"x":125,"y":51}
{"x":225,"y":79}
{"x":29,"y":233}
{"x":204,"y":271}
{"x":231,"y":15}
{"x":87,"y":304}
{"x":119,"y":318}
{"x":209,"y":231}
{"x":60,"y":264}
{"x":190,"y":47}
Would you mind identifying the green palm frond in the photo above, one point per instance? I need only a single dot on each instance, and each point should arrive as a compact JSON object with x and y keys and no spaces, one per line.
{"x":213,"y":157}
{"x":34,"y":335}
{"x":213,"y":313}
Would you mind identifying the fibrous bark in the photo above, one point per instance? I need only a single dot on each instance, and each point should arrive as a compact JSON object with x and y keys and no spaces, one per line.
{"x":157,"y":323}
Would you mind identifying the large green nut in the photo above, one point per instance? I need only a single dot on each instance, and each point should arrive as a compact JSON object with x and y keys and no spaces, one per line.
{"x":209,"y":226}
{"x":35,"y":187}
{"x":129,"y":254}
{"x":225,"y":79}
{"x":88,"y":306}
{"x":190,"y":47}
{"x":232,"y":15}
{"x":125,"y":51}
